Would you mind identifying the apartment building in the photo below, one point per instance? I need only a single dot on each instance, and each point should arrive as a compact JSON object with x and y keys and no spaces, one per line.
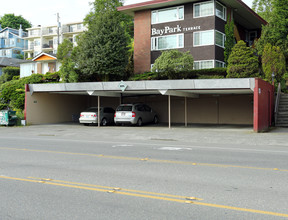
{"x":46,"y":39}
{"x":189,"y":25}
{"x":12,"y":42}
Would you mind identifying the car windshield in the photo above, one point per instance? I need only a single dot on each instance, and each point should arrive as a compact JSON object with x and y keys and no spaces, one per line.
{"x":124,"y":108}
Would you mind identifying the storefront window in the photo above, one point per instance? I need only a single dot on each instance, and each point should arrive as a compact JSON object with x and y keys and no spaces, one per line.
{"x":167,"y":42}
{"x":168,"y":15}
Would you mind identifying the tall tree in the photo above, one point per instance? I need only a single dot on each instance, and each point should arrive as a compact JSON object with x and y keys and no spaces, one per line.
{"x":273,"y":61}
{"x":276,"y":31}
{"x":230,"y":39}
{"x":102,"y":52}
{"x":68,"y":72}
{"x":13,"y":21}
{"x":242,"y":62}
{"x":263,"y":8}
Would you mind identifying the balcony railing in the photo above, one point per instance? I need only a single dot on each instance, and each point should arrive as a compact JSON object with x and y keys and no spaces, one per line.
{"x":49,"y":32}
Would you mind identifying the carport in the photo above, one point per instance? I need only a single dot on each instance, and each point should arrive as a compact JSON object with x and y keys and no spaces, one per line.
{"x":207,"y":101}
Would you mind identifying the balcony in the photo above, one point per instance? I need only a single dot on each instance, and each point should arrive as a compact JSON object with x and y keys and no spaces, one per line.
{"x":47,"y":47}
{"x":72,"y":29}
{"x":49,"y":32}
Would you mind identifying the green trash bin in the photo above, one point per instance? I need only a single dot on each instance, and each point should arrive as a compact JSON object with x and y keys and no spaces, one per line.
{"x":8,"y":117}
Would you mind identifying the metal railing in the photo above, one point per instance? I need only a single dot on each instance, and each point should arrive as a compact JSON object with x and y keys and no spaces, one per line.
{"x":277,"y":102}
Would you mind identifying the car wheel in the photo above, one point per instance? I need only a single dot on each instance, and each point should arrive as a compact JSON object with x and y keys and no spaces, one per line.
{"x":104,"y":122}
{"x":139,"y":122}
{"x":156,"y":120}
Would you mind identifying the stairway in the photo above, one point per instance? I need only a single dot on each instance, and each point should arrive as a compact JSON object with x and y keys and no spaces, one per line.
{"x":282,"y":116}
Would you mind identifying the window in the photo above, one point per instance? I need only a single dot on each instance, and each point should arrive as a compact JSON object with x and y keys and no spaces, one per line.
{"x":219,"y":64}
{"x":208,"y":64}
{"x":168,"y":15}
{"x":203,"y":38}
{"x":206,"y":9}
{"x":36,"y":42}
{"x":220,"y":11}
{"x":203,"y":9}
{"x":252,"y":37}
{"x":167,"y":42}
{"x":219,"y":39}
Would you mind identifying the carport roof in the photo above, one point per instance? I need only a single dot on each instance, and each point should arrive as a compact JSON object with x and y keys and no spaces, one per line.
{"x":183,"y":88}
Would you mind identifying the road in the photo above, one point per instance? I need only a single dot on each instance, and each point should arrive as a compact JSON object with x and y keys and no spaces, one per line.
{"x":77,"y":172}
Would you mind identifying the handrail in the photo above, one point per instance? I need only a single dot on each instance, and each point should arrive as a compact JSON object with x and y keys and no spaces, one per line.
{"x":277,"y":102}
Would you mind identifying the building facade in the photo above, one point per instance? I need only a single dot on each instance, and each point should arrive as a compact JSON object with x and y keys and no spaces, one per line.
{"x":12,"y":42}
{"x":195,"y":26}
{"x":46,"y":39}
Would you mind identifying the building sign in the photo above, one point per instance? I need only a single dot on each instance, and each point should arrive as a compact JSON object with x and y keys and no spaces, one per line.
{"x":173,"y":30}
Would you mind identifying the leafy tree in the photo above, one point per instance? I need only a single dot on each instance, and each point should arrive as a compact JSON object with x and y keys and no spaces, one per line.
{"x":242,"y":62}
{"x":9,"y":73}
{"x":230,"y":39}
{"x":67,"y":69}
{"x":13,"y":21}
{"x":263,"y":8}
{"x":276,"y":31}
{"x":102,"y":52}
{"x":172,"y":62}
{"x":273,"y":61}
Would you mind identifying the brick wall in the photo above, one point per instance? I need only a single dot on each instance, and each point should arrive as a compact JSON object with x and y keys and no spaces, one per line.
{"x":142,"y":43}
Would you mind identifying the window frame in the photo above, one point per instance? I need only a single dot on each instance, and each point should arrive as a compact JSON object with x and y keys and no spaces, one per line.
{"x":213,"y":63}
{"x":223,"y":38}
{"x":165,"y":9}
{"x":225,"y":11}
{"x":155,"y":42}
{"x":201,"y":3}
{"x":213,"y":42}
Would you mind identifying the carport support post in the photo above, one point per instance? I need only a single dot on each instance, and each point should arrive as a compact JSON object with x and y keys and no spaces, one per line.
{"x":98,"y":114}
{"x":169,"y":111}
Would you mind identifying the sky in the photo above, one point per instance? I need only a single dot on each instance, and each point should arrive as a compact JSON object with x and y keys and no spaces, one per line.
{"x":44,"y":12}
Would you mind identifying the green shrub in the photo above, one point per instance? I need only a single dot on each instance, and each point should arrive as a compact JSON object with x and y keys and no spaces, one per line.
{"x":242,"y":62}
{"x":170,"y":64}
{"x":51,"y":77}
{"x":9,"y":73}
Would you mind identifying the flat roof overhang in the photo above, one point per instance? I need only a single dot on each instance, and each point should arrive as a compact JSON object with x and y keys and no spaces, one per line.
{"x":183,"y":88}
{"x":243,"y":14}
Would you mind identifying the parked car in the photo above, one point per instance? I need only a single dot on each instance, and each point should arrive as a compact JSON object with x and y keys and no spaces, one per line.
{"x":135,"y":114}
{"x":89,"y":116}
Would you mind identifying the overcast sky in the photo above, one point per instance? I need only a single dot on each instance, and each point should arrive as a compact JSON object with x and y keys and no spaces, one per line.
{"x":44,"y":12}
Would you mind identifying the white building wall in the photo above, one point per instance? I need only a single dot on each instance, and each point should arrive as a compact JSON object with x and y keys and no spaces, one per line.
{"x":26,"y":69}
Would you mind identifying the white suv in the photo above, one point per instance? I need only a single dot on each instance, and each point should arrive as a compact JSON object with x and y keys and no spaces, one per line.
{"x":135,"y":114}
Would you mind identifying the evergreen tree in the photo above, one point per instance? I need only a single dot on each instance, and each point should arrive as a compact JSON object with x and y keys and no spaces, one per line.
{"x":276,"y":32}
{"x":263,"y":8}
{"x":102,"y":52}
{"x":230,"y":39}
{"x":273,"y":61}
{"x":13,"y":21}
{"x":67,"y":69}
{"x":242,"y":63}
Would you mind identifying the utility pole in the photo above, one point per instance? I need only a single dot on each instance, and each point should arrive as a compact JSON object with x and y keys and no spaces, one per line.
{"x":58,"y":29}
